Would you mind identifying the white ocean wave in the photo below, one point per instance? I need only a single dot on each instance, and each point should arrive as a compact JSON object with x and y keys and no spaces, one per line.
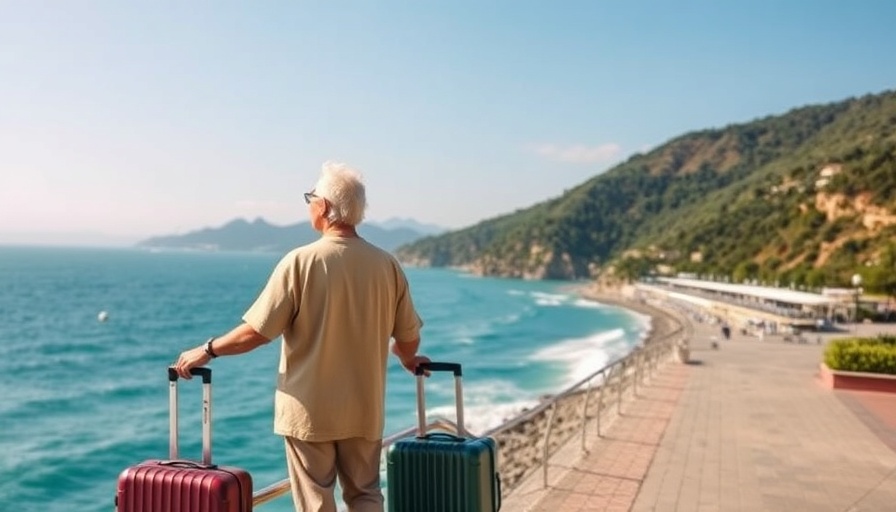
{"x":549,"y":299}
{"x":584,"y":356}
{"x":586,"y":303}
{"x":487,"y":404}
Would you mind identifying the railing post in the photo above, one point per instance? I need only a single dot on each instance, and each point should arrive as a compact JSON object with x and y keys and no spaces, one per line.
{"x":605,"y":381}
{"x":645,"y":374}
{"x":585,"y":414}
{"x":545,"y":448}
{"x":622,"y":369}
{"x":639,"y":360}
{"x":642,"y":363}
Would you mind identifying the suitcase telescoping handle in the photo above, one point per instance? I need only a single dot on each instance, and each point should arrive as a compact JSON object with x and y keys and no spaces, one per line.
{"x":206,"y":374}
{"x":432,"y":366}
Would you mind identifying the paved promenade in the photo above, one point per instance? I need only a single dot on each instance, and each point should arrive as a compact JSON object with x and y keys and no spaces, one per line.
{"x":747,"y":427}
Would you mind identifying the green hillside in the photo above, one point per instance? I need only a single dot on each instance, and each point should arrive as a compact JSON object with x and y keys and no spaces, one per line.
{"x":808,"y":197}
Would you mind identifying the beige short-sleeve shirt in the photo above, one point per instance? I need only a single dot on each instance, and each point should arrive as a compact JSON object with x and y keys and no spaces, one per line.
{"x":336,"y":302}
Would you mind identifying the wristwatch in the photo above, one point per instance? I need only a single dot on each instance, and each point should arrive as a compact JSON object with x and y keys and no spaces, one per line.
{"x":208,"y":348}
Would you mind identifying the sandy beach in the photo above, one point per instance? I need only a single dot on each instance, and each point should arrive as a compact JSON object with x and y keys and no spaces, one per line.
{"x":663,"y":321}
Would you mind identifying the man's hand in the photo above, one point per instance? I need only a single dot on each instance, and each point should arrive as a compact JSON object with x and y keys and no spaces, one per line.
{"x":192,"y":358}
{"x":406,"y":352}
{"x":411,"y":363}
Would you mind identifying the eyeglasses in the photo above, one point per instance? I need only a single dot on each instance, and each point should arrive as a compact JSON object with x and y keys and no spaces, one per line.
{"x":308,"y":196}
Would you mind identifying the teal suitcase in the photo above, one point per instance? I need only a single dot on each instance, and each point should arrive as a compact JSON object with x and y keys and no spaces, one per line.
{"x":443,"y":472}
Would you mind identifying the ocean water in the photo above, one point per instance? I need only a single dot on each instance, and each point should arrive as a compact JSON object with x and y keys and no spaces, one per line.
{"x":82,"y":399}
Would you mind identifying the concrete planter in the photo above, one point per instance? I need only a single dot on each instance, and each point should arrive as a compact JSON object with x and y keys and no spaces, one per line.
{"x":857,"y":381}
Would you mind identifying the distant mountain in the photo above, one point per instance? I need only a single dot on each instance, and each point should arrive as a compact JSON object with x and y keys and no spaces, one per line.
{"x":261,"y":236}
{"x":398,"y":223}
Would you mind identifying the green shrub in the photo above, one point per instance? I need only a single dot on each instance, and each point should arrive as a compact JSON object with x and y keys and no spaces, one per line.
{"x":887,"y":339}
{"x":871,"y":355}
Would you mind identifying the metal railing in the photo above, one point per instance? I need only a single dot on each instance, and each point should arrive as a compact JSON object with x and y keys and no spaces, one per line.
{"x":528,"y":441}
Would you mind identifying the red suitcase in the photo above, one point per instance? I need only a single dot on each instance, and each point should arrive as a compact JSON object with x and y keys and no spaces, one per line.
{"x":178,"y":485}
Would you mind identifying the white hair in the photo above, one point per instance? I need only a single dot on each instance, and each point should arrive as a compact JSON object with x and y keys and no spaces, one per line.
{"x":343,"y":188}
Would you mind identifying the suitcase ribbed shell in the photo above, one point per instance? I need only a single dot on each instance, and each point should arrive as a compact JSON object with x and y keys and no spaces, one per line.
{"x":156,"y":487}
{"x":442,"y":473}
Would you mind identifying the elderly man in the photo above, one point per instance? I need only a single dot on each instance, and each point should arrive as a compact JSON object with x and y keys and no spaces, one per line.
{"x":337,"y":302}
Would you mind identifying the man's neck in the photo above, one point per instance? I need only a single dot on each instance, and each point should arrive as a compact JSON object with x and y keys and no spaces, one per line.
{"x":340,"y":230}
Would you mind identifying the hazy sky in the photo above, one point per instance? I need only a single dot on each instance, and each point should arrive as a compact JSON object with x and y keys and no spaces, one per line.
{"x":126,"y":119}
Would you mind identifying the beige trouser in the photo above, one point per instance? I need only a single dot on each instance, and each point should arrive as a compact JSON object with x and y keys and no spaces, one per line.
{"x":313,"y":468}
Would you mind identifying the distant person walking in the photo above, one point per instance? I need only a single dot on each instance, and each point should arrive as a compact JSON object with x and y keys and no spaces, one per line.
{"x":337,"y":302}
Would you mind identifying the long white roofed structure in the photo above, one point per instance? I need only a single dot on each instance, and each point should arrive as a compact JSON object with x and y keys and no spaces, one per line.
{"x":782,"y":296}
{"x":752,"y":303}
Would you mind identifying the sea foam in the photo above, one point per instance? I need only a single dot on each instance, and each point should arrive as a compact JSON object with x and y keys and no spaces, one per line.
{"x":584,"y":356}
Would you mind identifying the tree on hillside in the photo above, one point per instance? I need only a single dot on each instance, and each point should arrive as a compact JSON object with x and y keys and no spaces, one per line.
{"x":881,"y":277}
